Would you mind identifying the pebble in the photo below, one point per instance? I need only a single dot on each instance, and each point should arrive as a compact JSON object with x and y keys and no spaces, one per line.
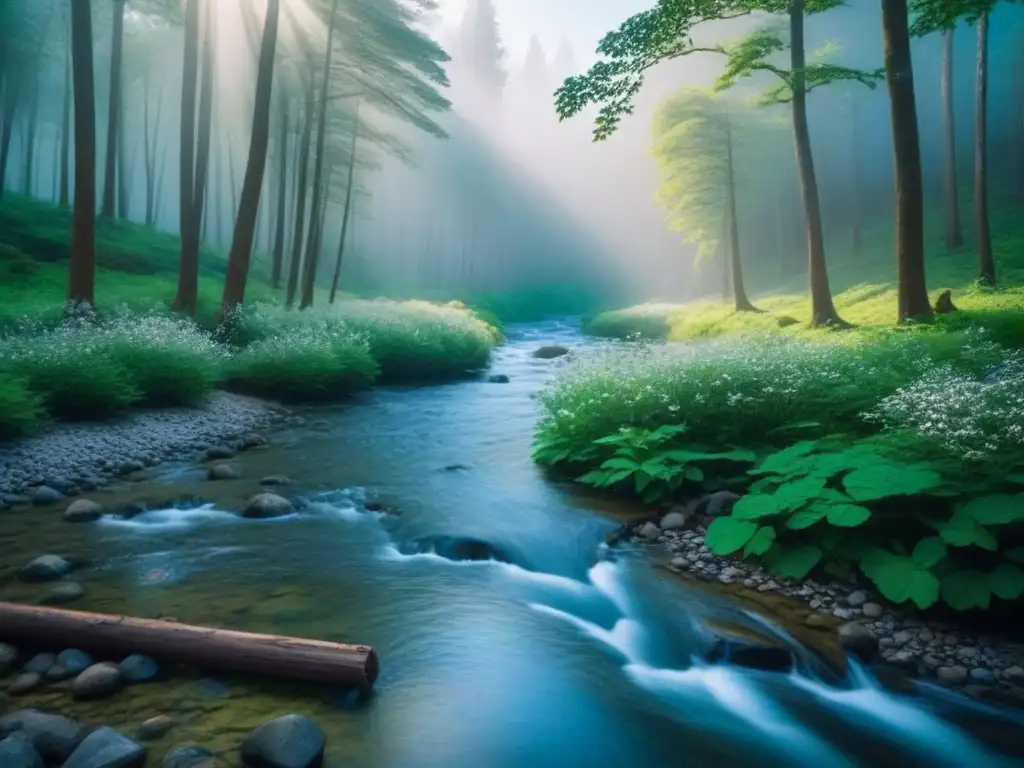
{"x":45,"y":568}
{"x":97,"y":682}
{"x":154,"y":728}
{"x":25,"y":682}
{"x":872,"y":610}
{"x":956,"y":674}
{"x":64,"y":592}
{"x":223,"y":472}
{"x":292,"y":741}
{"x":650,"y":531}
{"x":83,"y":511}
{"x":138,"y":668}
{"x":106,"y":748}
{"x":190,"y":757}
{"x":40,"y":663}
{"x":856,"y":599}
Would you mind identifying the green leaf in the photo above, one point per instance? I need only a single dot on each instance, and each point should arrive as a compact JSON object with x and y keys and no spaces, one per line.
{"x":655,"y":468}
{"x":727,"y":535}
{"x":642,"y":480}
{"x":873,"y":560}
{"x":696,"y":474}
{"x":883,"y":478}
{"x":1016,"y":554}
{"x":1016,"y":479}
{"x":995,"y":509}
{"x":754,"y":506}
{"x":929,"y":552}
{"x":899,"y":580}
{"x":963,"y":590}
{"x":764,"y":485}
{"x":805,"y":518}
{"x":797,"y":562}
{"x":739,"y":455}
{"x":781,"y":462}
{"x":963,"y":531}
{"x":1007,"y":581}
{"x":848,"y":515}
{"x":620,"y":462}
{"x":795,"y":494}
{"x":761,"y":541}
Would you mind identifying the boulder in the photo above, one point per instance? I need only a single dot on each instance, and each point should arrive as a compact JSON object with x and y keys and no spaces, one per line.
{"x":720,"y":503}
{"x":24,"y":683}
{"x":265,"y":505}
{"x":275,"y":480}
{"x":106,"y":748}
{"x":550,"y":352}
{"x":17,"y":752}
{"x":675,"y":519}
{"x":63,"y":592}
{"x":45,"y":568}
{"x":215,"y":452}
{"x":53,"y":736}
{"x":44,"y":495}
{"x":462,"y":548}
{"x":497,"y":378}
{"x":83,"y":511}
{"x":858,"y":640}
{"x":40,"y":663}
{"x":138,"y":668}
{"x":292,"y":741}
{"x":650,"y":530}
{"x":154,"y":728}
{"x":223,"y":472}
{"x":190,"y":757}
{"x":955,"y":674}
{"x":97,"y":682}
{"x":68,"y":664}
{"x":751,"y":654}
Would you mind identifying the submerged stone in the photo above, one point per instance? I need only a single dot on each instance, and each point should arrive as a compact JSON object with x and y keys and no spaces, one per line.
{"x":106,"y":748}
{"x":190,"y":757}
{"x":17,"y":752}
{"x":550,"y":352}
{"x":45,"y":568}
{"x":83,"y":511}
{"x":858,"y":640}
{"x":53,"y":736}
{"x":266,"y":505}
{"x":292,"y":741}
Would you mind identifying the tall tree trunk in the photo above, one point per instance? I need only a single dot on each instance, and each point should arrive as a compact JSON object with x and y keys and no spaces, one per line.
{"x":113,"y":112}
{"x":349,"y":185}
{"x":158,"y":195}
{"x":312,"y":252}
{"x":282,"y":195}
{"x":856,"y":211}
{"x":188,"y":273}
{"x":241,"y":243}
{"x":986,"y":261}
{"x":233,"y":180}
{"x":1017,"y":123}
{"x":739,"y":293}
{"x":911,"y":286}
{"x":82,"y":265}
{"x":954,"y":232}
{"x":9,"y":110}
{"x":823,"y":310}
{"x":29,"y":142}
{"x":202,"y":171}
{"x":147,"y":148}
{"x":65,"y":132}
{"x":124,"y":166}
{"x":300,"y":202}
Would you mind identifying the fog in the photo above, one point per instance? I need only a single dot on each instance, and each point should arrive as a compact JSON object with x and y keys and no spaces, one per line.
{"x":495,"y":194}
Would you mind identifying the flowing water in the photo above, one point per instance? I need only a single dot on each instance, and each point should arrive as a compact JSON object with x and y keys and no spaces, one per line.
{"x":560,"y":656}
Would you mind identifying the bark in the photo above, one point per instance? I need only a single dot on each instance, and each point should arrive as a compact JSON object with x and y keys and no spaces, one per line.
{"x":349,"y":184}
{"x":292,"y":658}
{"x":82,"y":264}
{"x":113,"y":112}
{"x":10,"y":107}
{"x":823,"y":311}
{"x":124,"y":167}
{"x":241,"y":242}
{"x":954,"y":232}
{"x":312,"y":251}
{"x":232,"y":180}
{"x":158,"y":195}
{"x":986,"y":261}
{"x":856,"y":211}
{"x":188,"y":274}
{"x":911,"y":286}
{"x":300,"y":203}
{"x":282,"y":195}
{"x":739,"y":293}
{"x":202,"y":171}
{"x":148,"y":146}
{"x":65,"y":132}
{"x":29,"y":142}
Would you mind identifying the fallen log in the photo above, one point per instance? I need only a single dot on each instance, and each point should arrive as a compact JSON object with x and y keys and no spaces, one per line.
{"x":292,"y":658}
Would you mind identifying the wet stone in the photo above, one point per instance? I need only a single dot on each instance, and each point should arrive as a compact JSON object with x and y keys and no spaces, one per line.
{"x":53,"y":736}
{"x":83,"y":511}
{"x":292,"y":741}
{"x":223,"y":472}
{"x":856,"y":599}
{"x":97,"y":682}
{"x":106,"y":748}
{"x":24,"y":683}
{"x":44,"y":495}
{"x":45,"y":568}
{"x":73,"y":661}
{"x":18,"y":752}
{"x":190,"y":757}
{"x":219,"y":452}
{"x":40,"y":663}
{"x":154,"y":728}
{"x":138,"y":668}
{"x":64,"y":592}
{"x":872,"y":610}
{"x":954,"y":674}
{"x":858,"y":640}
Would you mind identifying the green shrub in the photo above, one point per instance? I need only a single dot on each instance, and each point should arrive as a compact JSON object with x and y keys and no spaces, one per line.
{"x":81,"y":385}
{"x":647,"y":321}
{"x":21,"y":410}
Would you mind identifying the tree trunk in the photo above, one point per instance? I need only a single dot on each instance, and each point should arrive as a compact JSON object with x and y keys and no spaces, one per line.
{"x":823,"y":310}
{"x":911,"y":286}
{"x":294,"y":658}
{"x":147,"y":148}
{"x":10,"y":108}
{"x":739,"y":293}
{"x":158,"y":195}
{"x":113,"y":112}
{"x":188,"y":274}
{"x":31,"y":130}
{"x":82,"y":264}
{"x":202,"y":170}
{"x":312,"y":252}
{"x":986,"y":261}
{"x":300,"y":203}
{"x":954,"y":232}
{"x":232,"y":180}
{"x":349,"y":184}
{"x":241,"y":242}
{"x":124,"y":166}
{"x":282,"y":195}
{"x":65,"y":132}
{"x":855,"y":183}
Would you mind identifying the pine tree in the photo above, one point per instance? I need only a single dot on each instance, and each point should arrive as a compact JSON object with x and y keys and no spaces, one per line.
{"x":535,"y":66}
{"x":479,"y":49}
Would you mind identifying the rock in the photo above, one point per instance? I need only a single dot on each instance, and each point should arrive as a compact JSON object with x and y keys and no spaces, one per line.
{"x":872,"y":610}
{"x":64,"y":592}
{"x":650,"y":531}
{"x":276,"y":480}
{"x":462,"y":548}
{"x":955,"y":674}
{"x":83,"y":511}
{"x":219,"y":452}
{"x":983,"y":675}
{"x":190,"y":757}
{"x":138,"y":668}
{"x":17,"y":752}
{"x":817,"y":620}
{"x":45,"y":568}
{"x":40,"y":663}
{"x":53,"y":736}
{"x":844,"y":613}
{"x":497,"y":378}
{"x":856,"y":599}
{"x":223,"y":472}
{"x":550,"y":352}
{"x":44,"y":494}
{"x":154,"y":728}
{"x":15,"y":499}
{"x":68,"y":664}
{"x":944,"y":303}
{"x":266,"y":505}
{"x":720,"y":503}
{"x":745,"y":653}
{"x":8,"y":656}
{"x":1014,"y":673}
{"x":675,"y":519}
{"x":106,"y":748}
{"x":858,"y":640}
{"x":902,"y":637}
{"x":97,"y":682}
{"x":252,"y":440}
{"x":292,"y":741}
{"x":25,"y":682}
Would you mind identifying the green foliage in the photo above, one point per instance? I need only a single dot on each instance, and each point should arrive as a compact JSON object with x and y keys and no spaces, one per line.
{"x":21,"y":410}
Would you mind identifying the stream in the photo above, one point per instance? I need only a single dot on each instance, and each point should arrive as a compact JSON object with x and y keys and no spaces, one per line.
{"x":560,"y":656}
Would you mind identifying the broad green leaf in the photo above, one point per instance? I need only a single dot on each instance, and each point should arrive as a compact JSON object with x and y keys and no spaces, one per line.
{"x":848,"y":515}
{"x":780,"y":463}
{"x":900,"y":580}
{"x":620,"y":462}
{"x":795,"y":494}
{"x":797,"y":562}
{"x":1016,"y":554}
{"x":761,"y":541}
{"x":963,"y":590}
{"x":1007,"y":581}
{"x":764,"y":485}
{"x":655,"y":468}
{"x":995,"y":509}
{"x":642,"y":480}
{"x":727,"y":535}
{"x":805,"y":518}
{"x":929,"y":552}
{"x":593,"y":477}
{"x":963,"y":531}
{"x":754,"y":506}
{"x":666,"y":431}
{"x":883,"y":478}
{"x":873,"y":560}
{"x":736,"y":455}
{"x":696,"y":474}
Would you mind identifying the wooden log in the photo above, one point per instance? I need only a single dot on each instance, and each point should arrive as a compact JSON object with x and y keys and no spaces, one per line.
{"x":291,"y":658}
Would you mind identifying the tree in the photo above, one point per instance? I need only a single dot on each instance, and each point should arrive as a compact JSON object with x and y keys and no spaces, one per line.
{"x":188,"y":273}
{"x":82,"y":264}
{"x":565,"y":60}
{"x":535,"y":65}
{"x":347,"y":213}
{"x":113,"y":111}
{"x":479,"y":47}
{"x":986,"y":261}
{"x":693,"y":144}
{"x":282,"y":196}
{"x":245,"y":222}
{"x":65,"y":129}
{"x":954,"y":232}
{"x":300,"y":195}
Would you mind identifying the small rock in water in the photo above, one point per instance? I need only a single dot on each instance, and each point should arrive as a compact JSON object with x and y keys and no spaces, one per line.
{"x":45,"y":568}
{"x":275,"y":480}
{"x":219,"y":452}
{"x":550,"y":352}
{"x":83,"y":511}
{"x":44,"y":494}
{"x":292,"y":741}
{"x":154,"y":728}
{"x":902,"y":637}
{"x":223,"y":472}
{"x":17,"y":752}
{"x":138,"y":668}
{"x":858,"y":640}
{"x":190,"y":757}
{"x":106,"y":748}
{"x":497,"y":378}
{"x":742,"y":653}
{"x":650,"y":531}
{"x":40,"y":663}
{"x":955,"y":674}
{"x":97,"y":682}
{"x":25,"y":682}
{"x":264,"y":505}
{"x":856,"y":599}
{"x":64,"y":592}
{"x":872,"y":610}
